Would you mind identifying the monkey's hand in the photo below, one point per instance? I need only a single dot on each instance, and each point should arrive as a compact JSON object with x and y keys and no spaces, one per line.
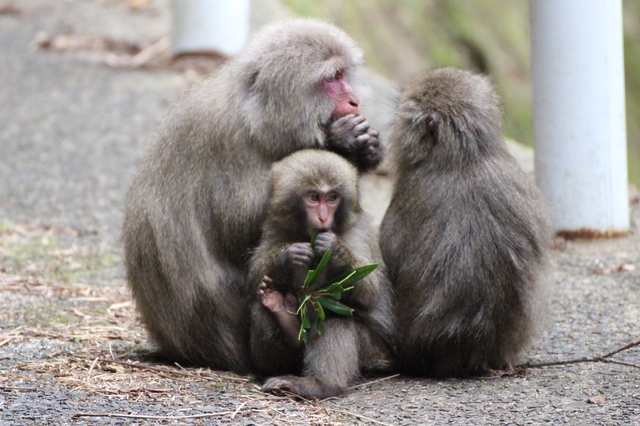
{"x":299,"y":255}
{"x":325,"y":241}
{"x":352,"y":137}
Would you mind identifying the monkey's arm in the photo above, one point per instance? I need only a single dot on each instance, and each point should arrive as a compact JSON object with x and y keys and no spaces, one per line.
{"x":282,"y":269}
{"x":286,"y":264}
{"x":352,"y":137}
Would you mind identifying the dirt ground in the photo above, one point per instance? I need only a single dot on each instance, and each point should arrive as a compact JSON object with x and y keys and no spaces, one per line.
{"x":72,"y":351}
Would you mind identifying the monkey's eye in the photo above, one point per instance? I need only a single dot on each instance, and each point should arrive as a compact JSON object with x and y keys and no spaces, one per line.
{"x":313,"y":196}
{"x":332,"y":197}
{"x":337,"y":76}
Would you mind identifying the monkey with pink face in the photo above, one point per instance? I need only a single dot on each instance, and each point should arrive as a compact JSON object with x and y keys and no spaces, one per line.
{"x":196,"y":205}
{"x":314,"y":190}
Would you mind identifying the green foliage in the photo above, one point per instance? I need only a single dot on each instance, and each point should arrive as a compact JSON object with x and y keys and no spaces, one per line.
{"x":326,"y":297}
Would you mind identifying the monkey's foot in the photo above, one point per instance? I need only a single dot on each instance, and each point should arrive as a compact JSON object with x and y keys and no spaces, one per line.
{"x":271,"y":298}
{"x":283,"y":308}
{"x":304,"y":387}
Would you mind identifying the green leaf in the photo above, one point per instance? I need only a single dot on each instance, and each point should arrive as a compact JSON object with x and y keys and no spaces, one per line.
{"x":302,"y":308}
{"x":337,"y":286}
{"x":313,"y":237}
{"x":335,"y":306}
{"x":323,"y":262}
{"x":303,"y":335}
{"x":336,"y":296}
{"x":319,"y":311}
{"x":313,"y":275}
{"x":305,"y":322}
{"x":358,"y":274}
{"x":320,"y":326}
{"x":310,"y":274}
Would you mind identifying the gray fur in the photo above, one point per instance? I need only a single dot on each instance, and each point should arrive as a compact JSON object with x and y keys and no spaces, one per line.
{"x":334,"y":359}
{"x":466,"y":233}
{"x":195,"y":207}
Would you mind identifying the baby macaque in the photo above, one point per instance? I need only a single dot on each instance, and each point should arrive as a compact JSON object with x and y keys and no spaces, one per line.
{"x":315,"y":190}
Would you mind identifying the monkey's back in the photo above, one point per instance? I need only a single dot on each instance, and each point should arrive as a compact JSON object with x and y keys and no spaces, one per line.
{"x":464,"y":237}
{"x":465,"y":274}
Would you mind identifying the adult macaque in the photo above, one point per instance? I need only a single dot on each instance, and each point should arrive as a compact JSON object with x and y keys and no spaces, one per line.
{"x":317,"y":190}
{"x":466,"y":233}
{"x":196,"y":205}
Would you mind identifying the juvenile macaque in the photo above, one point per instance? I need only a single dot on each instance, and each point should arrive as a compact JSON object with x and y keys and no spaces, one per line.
{"x":195,"y":207}
{"x":466,"y":232}
{"x":317,"y":191}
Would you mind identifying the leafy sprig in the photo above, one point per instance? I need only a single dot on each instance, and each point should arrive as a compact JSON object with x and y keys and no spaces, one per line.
{"x":326,"y":297}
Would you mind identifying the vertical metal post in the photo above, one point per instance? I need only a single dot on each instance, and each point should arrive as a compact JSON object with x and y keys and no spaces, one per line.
{"x":209,"y":25}
{"x":579,"y":113}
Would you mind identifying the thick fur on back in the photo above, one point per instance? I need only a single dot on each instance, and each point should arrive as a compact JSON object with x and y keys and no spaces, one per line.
{"x":196,"y":205}
{"x":466,"y":232}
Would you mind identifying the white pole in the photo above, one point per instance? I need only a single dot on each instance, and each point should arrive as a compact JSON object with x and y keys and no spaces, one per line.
{"x":209,"y":25}
{"x":579,"y":113}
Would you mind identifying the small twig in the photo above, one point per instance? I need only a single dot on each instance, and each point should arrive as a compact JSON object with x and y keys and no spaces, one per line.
{"x":18,"y":388}
{"x":326,"y":409}
{"x":359,"y":416}
{"x":141,"y":416}
{"x":233,"y":416}
{"x":148,"y":53}
{"x":602,"y":358}
{"x":615,"y":361}
{"x":183,"y":372}
{"x":95,"y":361}
{"x":624,"y":348}
{"x":113,"y":357}
{"x":373,"y":381}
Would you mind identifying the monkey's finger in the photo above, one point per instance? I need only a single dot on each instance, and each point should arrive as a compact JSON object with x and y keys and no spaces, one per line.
{"x":358,"y":119}
{"x":363,"y":141}
{"x":302,"y":260}
{"x":301,"y":246}
{"x":373,"y":133}
{"x":362,"y":127}
{"x":374,"y":143}
{"x":343,"y":120}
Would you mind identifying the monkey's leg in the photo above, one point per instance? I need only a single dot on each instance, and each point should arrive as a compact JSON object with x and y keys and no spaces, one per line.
{"x":270,"y":352}
{"x":331,"y":363}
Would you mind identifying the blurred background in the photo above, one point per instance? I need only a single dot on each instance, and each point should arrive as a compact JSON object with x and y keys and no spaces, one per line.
{"x":400,"y":37}
{"x":83,"y":84}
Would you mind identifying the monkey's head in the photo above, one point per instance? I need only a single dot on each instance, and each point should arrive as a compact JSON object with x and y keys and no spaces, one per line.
{"x":317,"y":188}
{"x":295,"y":75}
{"x":446,"y":113}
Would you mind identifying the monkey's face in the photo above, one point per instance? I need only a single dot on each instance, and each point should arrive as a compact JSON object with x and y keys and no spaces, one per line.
{"x":297,"y":74}
{"x":338,"y":89}
{"x":320,"y":205}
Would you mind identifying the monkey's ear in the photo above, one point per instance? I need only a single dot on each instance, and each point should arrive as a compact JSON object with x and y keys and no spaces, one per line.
{"x":251,"y":80}
{"x":419,"y":116}
{"x":432,"y":120}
